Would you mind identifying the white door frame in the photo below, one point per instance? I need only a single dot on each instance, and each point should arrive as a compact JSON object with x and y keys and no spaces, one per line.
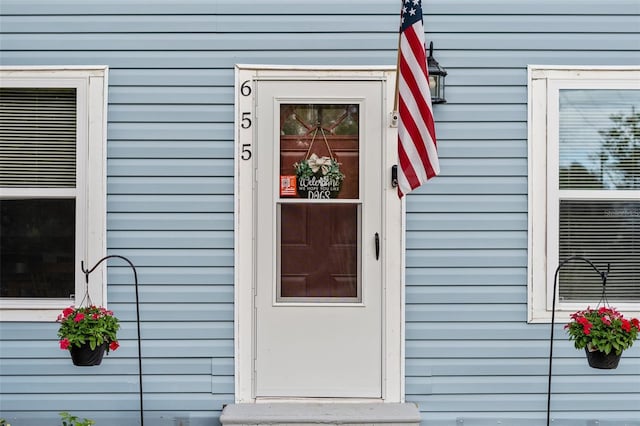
{"x":392,"y":244}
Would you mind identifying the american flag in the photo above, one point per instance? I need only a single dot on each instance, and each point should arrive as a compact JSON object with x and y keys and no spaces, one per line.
{"x":417,"y":152}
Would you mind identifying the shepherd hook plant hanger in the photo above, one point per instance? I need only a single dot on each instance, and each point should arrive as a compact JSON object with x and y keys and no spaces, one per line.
{"x":135,"y":278}
{"x":603,"y":277}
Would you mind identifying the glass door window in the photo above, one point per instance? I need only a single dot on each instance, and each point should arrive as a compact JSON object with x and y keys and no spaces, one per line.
{"x":319,"y":211}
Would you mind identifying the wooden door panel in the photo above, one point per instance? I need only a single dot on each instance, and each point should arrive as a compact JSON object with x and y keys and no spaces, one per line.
{"x":319,"y":250}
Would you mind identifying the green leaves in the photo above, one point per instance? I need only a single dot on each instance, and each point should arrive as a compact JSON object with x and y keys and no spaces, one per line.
{"x":69,"y":420}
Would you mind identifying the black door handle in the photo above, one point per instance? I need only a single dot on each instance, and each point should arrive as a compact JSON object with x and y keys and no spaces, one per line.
{"x":377,"y":237}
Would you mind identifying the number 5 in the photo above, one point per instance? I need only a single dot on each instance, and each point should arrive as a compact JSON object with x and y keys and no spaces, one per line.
{"x":246,"y":151}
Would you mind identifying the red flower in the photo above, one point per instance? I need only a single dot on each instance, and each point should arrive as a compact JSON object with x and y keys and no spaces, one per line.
{"x":635,"y":322}
{"x":79,"y":317}
{"x":67,"y":311}
{"x":114,"y":345}
{"x":64,"y":343}
{"x":586,"y":325}
{"x":95,"y":316}
{"x":606,"y":320}
{"x":626,"y":325}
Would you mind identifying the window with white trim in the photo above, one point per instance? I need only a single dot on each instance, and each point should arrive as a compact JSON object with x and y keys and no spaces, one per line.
{"x":584,"y":187}
{"x":52,"y":188}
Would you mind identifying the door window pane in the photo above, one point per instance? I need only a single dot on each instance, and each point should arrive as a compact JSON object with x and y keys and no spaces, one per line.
{"x":319,"y":250}
{"x":37,"y":248}
{"x":319,"y":151}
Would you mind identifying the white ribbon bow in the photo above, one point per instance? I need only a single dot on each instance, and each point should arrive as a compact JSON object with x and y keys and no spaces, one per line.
{"x":319,"y":163}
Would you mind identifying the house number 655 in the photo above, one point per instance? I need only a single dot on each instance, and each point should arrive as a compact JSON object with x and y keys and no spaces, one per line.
{"x":245,"y":122}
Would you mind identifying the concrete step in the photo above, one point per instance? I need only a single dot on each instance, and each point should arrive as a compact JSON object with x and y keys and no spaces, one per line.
{"x":323,"y":413}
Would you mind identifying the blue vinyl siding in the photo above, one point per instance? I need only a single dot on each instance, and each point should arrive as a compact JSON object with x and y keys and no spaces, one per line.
{"x":471,"y":358}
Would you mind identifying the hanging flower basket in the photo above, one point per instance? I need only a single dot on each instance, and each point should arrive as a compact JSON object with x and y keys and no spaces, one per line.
{"x":604,"y":333}
{"x":318,"y":177}
{"x":87,"y":332}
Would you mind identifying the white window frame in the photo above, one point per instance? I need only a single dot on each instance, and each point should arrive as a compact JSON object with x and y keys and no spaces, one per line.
{"x":90,"y":192}
{"x":545,"y":83}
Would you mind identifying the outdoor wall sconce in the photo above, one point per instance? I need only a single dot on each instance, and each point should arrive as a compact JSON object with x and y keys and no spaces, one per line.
{"x":436,"y":78}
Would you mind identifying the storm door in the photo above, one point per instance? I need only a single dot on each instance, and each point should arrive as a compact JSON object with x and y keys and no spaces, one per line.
{"x":318,"y":329}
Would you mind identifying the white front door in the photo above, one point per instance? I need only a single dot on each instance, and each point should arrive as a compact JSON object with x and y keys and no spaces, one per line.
{"x":318,"y":219}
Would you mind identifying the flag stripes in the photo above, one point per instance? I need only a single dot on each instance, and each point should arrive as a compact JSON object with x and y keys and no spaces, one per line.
{"x":417,"y":148}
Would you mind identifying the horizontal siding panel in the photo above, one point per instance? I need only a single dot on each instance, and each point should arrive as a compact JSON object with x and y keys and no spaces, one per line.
{"x":501,"y":38}
{"x":174,"y":59}
{"x":469,"y":276}
{"x":200,"y":330}
{"x":221,"y":42}
{"x":426,"y":367}
{"x":169,"y":95}
{"x":170,"y":131}
{"x":169,"y":185}
{"x":126,"y":418}
{"x":487,"y":95}
{"x":170,"y":239}
{"x":541,"y":23}
{"x":474,"y":76}
{"x":466,"y":240}
{"x":178,"y":293}
{"x":493,"y":349}
{"x":483,"y":149}
{"x":481,"y":312}
{"x":170,"y":221}
{"x":330,"y":7}
{"x":480,"y":330}
{"x":128,"y":349}
{"x":466,"y":258}
{"x":169,"y":149}
{"x":178,"y":257}
{"x":170,"y":203}
{"x":416,"y":202}
{"x":170,"y":113}
{"x":82,"y":402}
{"x":480,"y":113}
{"x":112,"y":384}
{"x":165,"y":275}
{"x":452,"y":185}
{"x":465,"y":294}
{"x":176,"y":167}
{"x":149,"y":330}
{"x":466,"y":222}
{"x":179,"y":312}
{"x":172,"y":77}
{"x":490,"y":167}
{"x":318,"y":23}
{"x":574,"y":405}
{"x":482,"y":385}
{"x":112,"y":365}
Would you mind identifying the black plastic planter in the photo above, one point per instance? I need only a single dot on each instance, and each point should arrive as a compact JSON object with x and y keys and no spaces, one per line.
{"x":84,"y":356}
{"x":602,"y":360}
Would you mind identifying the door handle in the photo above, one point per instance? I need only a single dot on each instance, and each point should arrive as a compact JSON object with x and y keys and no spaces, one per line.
{"x":377,"y":238}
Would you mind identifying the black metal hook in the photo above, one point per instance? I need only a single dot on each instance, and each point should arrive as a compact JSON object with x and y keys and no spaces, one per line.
{"x":603,"y":277}
{"x":135,"y":278}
